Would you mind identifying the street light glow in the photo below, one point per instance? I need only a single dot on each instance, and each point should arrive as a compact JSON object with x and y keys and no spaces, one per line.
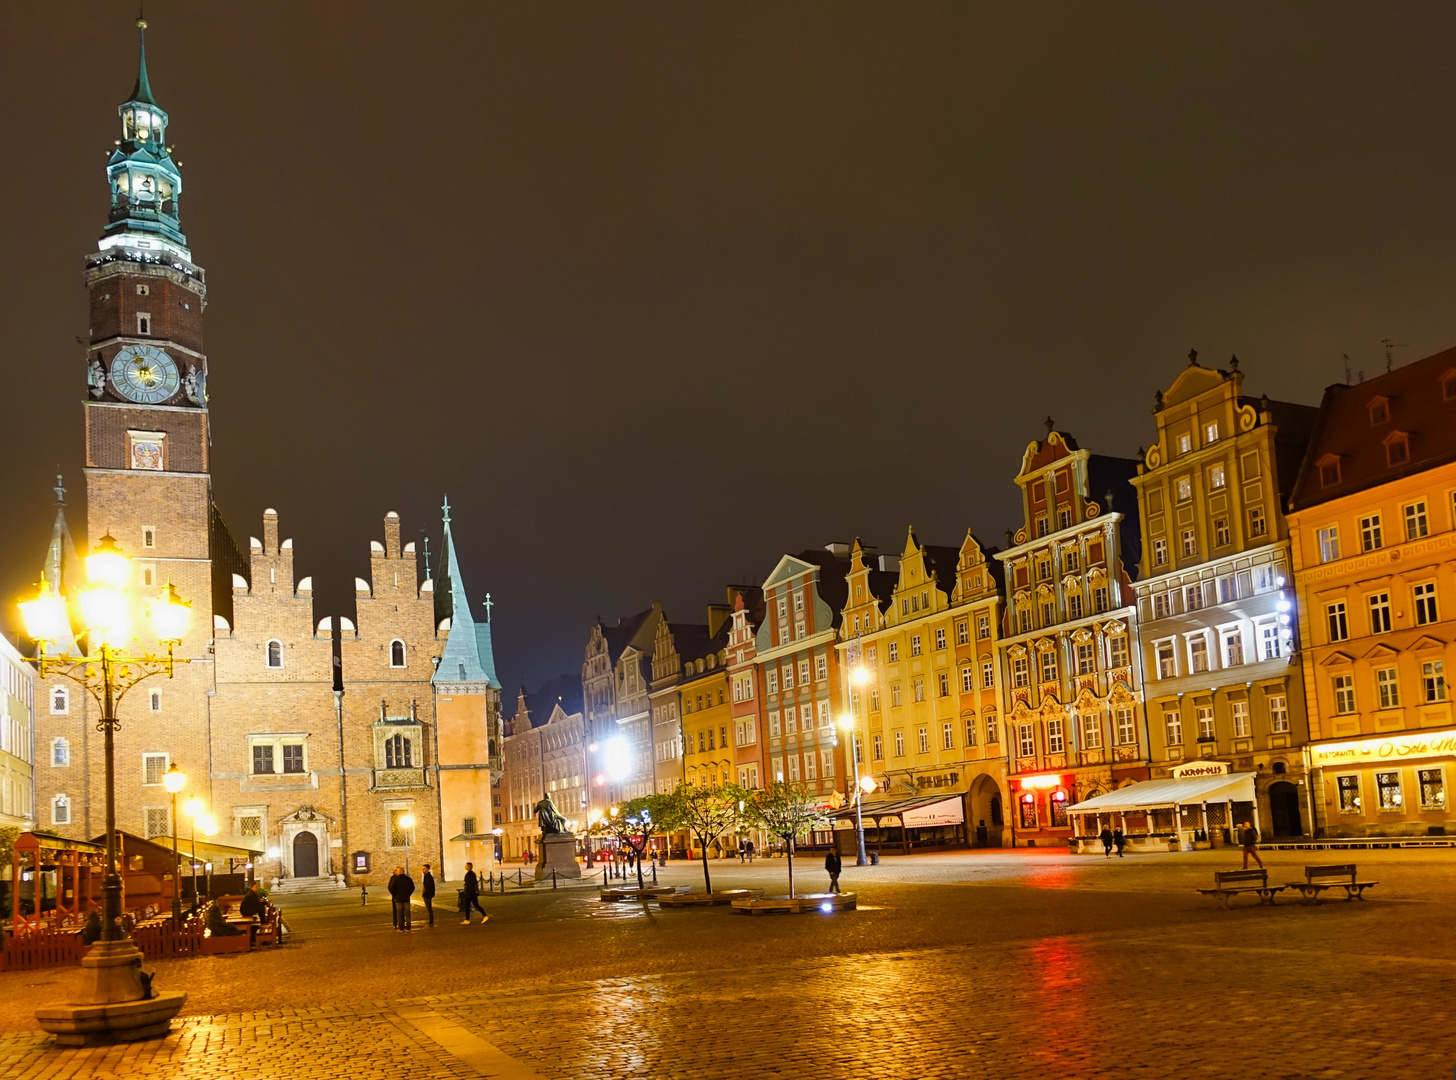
{"x":846,"y":722}
{"x":617,"y":758}
{"x":107,"y":565}
{"x":174,"y":779}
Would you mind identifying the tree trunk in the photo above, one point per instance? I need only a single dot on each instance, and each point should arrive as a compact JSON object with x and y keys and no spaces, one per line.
{"x":708,"y":881}
{"x":640,"y":884}
{"x":789,"y":852}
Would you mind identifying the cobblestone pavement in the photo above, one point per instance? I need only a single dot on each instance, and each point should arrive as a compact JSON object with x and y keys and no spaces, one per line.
{"x":968,"y":965}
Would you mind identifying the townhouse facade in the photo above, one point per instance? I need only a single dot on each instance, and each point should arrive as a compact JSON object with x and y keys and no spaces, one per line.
{"x":1373,"y":530}
{"x":1071,"y":692}
{"x":1215,"y":592}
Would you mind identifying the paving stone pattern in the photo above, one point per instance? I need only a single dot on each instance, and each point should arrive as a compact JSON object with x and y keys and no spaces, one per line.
{"x":1003,"y":965}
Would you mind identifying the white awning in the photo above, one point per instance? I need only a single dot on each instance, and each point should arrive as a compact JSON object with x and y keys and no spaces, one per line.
{"x":913,"y":813}
{"x":1234,"y":787}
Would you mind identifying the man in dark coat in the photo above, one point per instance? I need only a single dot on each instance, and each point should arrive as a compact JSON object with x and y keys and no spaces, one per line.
{"x":833,"y":864}
{"x":253,"y":905}
{"x":401,"y":888}
{"x":1106,"y":837}
{"x":471,"y":896}
{"x":427,"y":892}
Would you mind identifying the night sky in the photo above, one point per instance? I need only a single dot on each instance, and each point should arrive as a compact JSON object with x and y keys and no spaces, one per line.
{"x":658,"y":292}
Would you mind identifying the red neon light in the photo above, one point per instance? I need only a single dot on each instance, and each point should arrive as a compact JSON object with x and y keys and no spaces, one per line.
{"x":1046,"y":780}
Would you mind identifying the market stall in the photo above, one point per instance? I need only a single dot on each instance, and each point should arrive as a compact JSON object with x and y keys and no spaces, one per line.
{"x":1197,"y":809}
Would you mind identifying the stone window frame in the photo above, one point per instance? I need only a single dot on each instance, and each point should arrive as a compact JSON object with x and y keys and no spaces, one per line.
{"x":60,"y":694}
{"x":401,"y":807}
{"x":161,"y":772}
{"x":148,"y":819}
{"x":268,"y":654}
{"x":403,"y":653}
{"x":259,"y":811}
{"x":277,"y":740}
{"x":61,"y":802}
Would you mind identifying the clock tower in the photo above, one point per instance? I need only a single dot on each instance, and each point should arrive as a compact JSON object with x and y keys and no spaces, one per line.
{"x":147,"y":453}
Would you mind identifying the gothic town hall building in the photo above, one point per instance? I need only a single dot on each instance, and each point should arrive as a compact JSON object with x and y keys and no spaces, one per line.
{"x":315,"y":740}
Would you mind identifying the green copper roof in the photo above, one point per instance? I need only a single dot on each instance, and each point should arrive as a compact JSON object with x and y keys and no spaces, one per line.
{"x":468,"y":655}
{"x":143,"y":89}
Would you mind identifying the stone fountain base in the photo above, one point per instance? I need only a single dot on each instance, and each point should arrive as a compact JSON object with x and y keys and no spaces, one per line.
{"x":110,"y":1005}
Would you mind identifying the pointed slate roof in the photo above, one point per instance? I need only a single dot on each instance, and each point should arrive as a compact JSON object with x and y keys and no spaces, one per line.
{"x":468,"y":656}
{"x":63,"y":567}
{"x":143,"y":89}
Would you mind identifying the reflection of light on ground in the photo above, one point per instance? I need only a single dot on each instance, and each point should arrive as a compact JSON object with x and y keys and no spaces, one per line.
{"x":1058,"y":972}
{"x":1051,"y":877}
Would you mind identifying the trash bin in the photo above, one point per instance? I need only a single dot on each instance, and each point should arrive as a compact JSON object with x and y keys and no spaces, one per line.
{"x":874,"y":858}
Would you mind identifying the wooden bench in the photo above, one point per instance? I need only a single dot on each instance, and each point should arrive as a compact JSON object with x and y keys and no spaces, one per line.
{"x":1339,"y":876}
{"x":1229,"y":883}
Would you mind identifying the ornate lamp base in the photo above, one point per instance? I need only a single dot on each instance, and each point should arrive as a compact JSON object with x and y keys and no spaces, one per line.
{"x":111,"y":1005}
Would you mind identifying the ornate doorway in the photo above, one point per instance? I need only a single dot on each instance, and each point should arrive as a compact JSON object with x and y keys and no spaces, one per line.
{"x":305,"y":855}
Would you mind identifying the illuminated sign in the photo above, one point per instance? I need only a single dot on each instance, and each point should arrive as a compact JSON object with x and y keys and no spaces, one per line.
{"x":1047,"y":780}
{"x":1200,"y":768}
{"x":1426,"y":744}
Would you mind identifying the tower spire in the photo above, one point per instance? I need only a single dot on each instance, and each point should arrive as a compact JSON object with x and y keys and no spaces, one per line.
{"x":143,"y":89}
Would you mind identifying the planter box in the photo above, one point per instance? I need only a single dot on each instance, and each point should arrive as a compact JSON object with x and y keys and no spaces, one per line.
{"x":727,"y":896}
{"x":229,"y":943}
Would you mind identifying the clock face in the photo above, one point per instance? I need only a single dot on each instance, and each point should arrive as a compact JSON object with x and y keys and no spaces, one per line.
{"x":144,"y":373}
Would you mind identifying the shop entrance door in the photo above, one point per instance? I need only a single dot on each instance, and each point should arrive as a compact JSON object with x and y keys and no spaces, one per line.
{"x":1284,"y":808}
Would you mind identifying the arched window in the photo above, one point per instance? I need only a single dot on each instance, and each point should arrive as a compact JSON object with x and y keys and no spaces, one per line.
{"x":60,"y":700}
{"x":275,"y":653}
{"x":398,"y":753}
{"x":396,"y":653}
{"x":60,"y":753}
{"x":61,"y":810}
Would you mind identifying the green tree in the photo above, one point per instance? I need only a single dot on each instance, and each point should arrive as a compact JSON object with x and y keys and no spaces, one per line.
{"x":786,"y":810}
{"x":633,"y":824}
{"x":706,"y":812}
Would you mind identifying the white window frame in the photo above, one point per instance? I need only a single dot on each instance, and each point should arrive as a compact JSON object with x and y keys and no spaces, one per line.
{"x":58,"y":801}
{"x":403,"y":652}
{"x":268,"y":654}
{"x":63,"y":695}
{"x":166,"y":761}
{"x":63,"y":745}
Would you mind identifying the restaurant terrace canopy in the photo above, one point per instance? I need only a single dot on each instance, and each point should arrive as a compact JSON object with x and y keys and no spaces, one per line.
{"x":1159,"y":794}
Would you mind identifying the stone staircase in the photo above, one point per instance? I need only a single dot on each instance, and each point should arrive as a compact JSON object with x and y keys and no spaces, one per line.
{"x":295,"y":886}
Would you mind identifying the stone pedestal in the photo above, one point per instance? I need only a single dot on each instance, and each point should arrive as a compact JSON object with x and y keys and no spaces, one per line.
{"x":558,"y":852}
{"x":110,"y":1005}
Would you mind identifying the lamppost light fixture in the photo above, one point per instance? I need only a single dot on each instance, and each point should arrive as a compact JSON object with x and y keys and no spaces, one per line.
{"x":174,"y":779}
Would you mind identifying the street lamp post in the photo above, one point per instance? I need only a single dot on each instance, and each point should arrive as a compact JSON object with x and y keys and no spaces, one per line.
{"x":193,"y":808}
{"x":846,"y":724}
{"x":175,"y":781}
{"x":103,"y":610}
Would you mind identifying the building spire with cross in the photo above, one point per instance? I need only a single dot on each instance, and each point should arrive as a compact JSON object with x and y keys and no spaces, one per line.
{"x":468,"y":656}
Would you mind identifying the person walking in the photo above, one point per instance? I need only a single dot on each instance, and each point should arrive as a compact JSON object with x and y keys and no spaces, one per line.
{"x":1249,"y":838}
{"x":833,"y":864}
{"x":390,"y":888}
{"x":1118,"y":840}
{"x":471,"y":896}
{"x":1106,"y":837}
{"x":401,"y":888}
{"x":751,"y":850}
{"x":427,"y":892}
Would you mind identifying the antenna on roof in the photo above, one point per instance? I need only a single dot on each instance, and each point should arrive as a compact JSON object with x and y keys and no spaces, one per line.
{"x":1390,"y":347}
{"x":1348,"y":380}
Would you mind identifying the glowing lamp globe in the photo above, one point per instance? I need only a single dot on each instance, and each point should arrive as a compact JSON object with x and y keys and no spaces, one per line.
{"x":407,"y":821}
{"x":107,"y":565}
{"x":170,"y":614}
{"x":194,"y":808}
{"x":104,"y":613}
{"x":858,"y":676}
{"x":846,"y":722}
{"x":174,"y":778}
{"x":45,"y":617}
{"x":208,"y":824}
{"x":867,"y":784}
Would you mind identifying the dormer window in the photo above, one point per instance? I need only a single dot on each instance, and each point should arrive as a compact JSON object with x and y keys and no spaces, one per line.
{"x":1397,"y":448}
{"x":1379,"y":410}
{"x":1329,"y":470}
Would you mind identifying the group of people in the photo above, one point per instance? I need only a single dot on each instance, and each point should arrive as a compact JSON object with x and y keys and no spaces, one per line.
{"x":1112,"y":838}
{"x":402,"y":890}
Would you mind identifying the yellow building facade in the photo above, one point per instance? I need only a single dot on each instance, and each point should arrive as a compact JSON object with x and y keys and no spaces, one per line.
{"x":1373,"y":523}
{"x":917,"y":642}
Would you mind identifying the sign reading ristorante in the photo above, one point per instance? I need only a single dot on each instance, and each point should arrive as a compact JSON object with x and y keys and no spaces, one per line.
{"x":1423,"y":744}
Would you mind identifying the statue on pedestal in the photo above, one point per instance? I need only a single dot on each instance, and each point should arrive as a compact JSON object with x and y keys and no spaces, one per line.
{"x":550,"y":819}
{"x":558,"y":843}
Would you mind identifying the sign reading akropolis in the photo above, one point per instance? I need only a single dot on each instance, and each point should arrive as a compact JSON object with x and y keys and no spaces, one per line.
{"x":1423,"y":744}
{"x":1199,"y":768}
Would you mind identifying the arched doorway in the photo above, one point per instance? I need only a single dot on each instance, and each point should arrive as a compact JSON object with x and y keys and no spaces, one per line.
{"x":1284,"y":808}
{"x":984,"y":805}
{"x":305,"y":855}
